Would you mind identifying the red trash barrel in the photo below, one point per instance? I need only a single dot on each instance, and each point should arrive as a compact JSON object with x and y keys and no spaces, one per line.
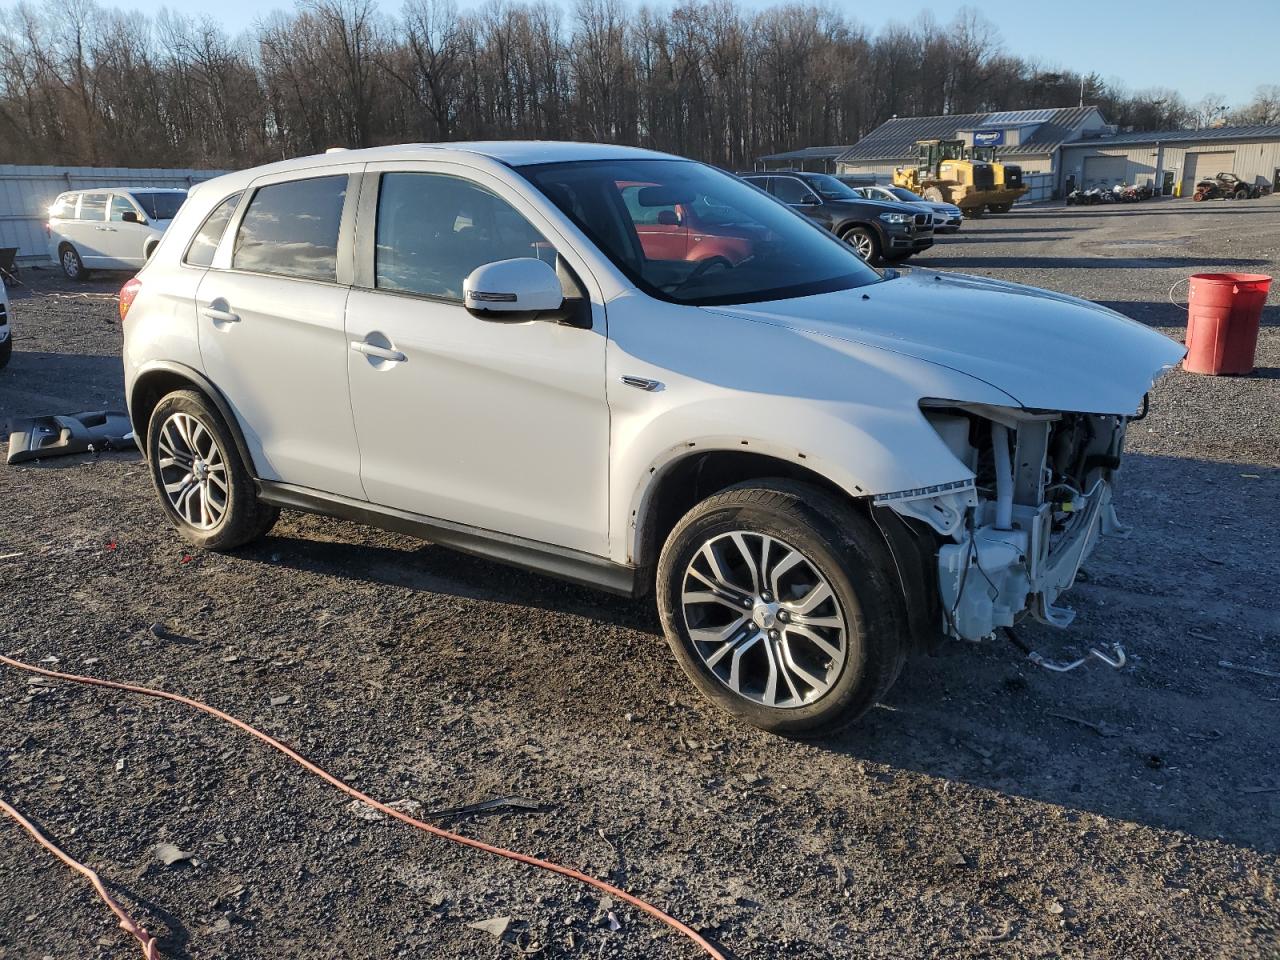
{"x":1223,"y":313}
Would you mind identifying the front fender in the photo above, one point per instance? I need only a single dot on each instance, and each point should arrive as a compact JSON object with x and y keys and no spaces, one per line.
{"x":846,"y":411}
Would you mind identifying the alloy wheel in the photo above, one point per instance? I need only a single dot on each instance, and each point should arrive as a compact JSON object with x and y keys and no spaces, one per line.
{"x":764,"y":620}
{"x":193,"y":471}
{"x":863,"y":244}
{"x":70,"y":263}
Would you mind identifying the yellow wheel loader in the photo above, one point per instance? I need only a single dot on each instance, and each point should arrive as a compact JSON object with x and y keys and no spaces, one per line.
{"x":1008,"y":176}
{"x":943,"y":174}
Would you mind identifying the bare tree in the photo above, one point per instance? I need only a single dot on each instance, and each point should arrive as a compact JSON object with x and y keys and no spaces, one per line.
{"x":705,"y":78}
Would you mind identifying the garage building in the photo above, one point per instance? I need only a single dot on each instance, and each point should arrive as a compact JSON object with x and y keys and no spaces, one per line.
{"x":1030,"y":138}
{"x":1173,"y":160}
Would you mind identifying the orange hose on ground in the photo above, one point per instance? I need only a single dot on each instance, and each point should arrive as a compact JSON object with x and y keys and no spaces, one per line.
{"x":351,"y":791}
{"x":150,"y":951}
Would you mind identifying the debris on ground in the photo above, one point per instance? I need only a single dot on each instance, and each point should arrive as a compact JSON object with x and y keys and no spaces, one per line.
{"x":169,"y":854}
{"x":495,"y":926}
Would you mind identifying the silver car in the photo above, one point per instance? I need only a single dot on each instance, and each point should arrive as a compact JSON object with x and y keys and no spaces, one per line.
{"x":636,"y":372}
{"x":947,"y":217}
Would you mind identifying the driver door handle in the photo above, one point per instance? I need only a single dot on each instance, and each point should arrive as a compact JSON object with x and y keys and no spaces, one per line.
{"x":373,"y":350}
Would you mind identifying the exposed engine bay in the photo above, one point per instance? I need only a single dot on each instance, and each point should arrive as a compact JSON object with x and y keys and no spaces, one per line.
{"x":1012,"y":540}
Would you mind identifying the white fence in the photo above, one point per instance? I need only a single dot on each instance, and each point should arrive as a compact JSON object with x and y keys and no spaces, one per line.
{"x":27,"y":192}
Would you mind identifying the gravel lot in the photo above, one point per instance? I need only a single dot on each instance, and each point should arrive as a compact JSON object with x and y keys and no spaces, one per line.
{"x":988,"y":809}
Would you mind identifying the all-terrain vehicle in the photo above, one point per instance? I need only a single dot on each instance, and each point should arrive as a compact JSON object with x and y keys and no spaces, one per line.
{"x":1226,"y":186}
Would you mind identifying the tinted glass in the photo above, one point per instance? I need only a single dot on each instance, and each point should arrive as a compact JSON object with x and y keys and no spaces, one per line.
{"x":640,"y":213}
{"x":433,"y":230}
{"x":205,"y":243}
{"x":119,"y":207}
{"x":755,"y":250}
{"x":791,"y":190}
{"x":902,"y":193}
{"x":291,"y":229}
{"x":64,"y":207}
{"x":160,"y":206}
{"x":829,"y":187}
{"x":93,"y":206}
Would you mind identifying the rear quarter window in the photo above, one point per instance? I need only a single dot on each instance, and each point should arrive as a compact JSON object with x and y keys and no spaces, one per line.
{"x":291,"y":229}
{"x":64,"y":208}
{"x":205,"y":243}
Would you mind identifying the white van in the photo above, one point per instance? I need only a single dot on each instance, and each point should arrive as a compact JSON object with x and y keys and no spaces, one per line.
{"x":6,"y":327}
{"x":109,"y":228}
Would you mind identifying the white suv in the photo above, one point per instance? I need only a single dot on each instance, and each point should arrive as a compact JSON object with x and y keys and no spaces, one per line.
{"x":528,"y":351}
{"x":109,"y":229}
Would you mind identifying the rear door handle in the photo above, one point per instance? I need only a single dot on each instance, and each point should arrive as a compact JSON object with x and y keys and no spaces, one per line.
{"x":220,"y":316}
{"x":373,"y":350}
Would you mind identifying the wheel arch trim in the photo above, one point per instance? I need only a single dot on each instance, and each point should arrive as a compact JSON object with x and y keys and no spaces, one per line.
{"x":158,"y":369}
{"x":643,"y":505}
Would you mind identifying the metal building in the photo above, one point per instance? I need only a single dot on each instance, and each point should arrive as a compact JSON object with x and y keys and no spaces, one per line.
{"x":1031,"y":138}
{"x":26,"y":193}
{"x":816,"y":159}
{"x":1173,"y":160}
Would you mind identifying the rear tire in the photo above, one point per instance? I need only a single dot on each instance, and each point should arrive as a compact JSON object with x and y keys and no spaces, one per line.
{"x":205,"y":489}
{"x":1000,"y":207}
{"x":72,"y":265}
{"x":830,"y":570}
{"x":1242,"y":194}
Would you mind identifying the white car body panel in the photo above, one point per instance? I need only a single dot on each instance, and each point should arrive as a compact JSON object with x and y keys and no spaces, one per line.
{"x":1045,"y":350}
{"x":6,"y":315}
{"x":842,"y":409}
{"x":534,"y":390}
{"x":559,"y":435}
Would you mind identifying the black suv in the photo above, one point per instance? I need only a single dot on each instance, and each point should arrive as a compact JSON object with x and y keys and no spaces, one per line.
{"x":879,"y":230}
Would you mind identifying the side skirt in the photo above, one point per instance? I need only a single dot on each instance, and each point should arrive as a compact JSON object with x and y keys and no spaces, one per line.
{"x":571,"y":565}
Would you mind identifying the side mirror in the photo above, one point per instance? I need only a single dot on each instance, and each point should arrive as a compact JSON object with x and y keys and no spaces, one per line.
{"x":810,"y":201}
{"x":130,"y":216}
{"x":523,"y":285}
{"x":668,"y":218}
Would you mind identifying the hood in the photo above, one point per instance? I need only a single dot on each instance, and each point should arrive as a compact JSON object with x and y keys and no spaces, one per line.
{"x":879,"y":206}
{"x":1047,"y":350}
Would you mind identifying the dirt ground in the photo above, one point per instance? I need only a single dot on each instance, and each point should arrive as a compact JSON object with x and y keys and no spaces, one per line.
{"x":987,"y":809}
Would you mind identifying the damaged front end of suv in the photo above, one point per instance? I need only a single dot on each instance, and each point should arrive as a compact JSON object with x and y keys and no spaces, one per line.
{"x":1011,"y":541}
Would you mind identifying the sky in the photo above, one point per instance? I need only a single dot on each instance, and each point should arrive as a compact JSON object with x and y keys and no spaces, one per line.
{"x":1140,"y":44}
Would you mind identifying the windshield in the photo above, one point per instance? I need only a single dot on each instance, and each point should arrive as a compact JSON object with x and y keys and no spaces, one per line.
{"x":160,"y":206}
{"x":688,"y":233}
{"x":902,"y":193}
{"x":830,"y":188}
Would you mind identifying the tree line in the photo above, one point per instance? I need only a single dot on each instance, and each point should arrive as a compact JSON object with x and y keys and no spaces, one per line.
{"x":80,"y":84}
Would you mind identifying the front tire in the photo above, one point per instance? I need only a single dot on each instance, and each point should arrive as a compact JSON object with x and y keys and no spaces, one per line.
{"x":864,"y":241}
{"x":205,"y":488}
{"x":777,"y":602}
{"x":6,"y":351}
{"x":72,"y":265}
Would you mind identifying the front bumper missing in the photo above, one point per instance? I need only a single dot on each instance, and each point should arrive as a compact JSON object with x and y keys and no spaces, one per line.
{"x":990,"y":578}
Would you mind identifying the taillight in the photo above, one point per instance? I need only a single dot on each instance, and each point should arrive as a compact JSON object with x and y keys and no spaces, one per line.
{"x":128,"y":293}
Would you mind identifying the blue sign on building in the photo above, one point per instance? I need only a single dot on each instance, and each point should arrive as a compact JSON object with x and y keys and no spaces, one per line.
{"x":988,"y":138}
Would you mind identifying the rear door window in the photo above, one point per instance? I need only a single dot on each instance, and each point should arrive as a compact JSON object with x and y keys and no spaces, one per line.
{"x":791,"y":190}
{"x":291,"y":229}
{"x":433,"y":230}
{"x":205,"y":243}
{"x":93,"y":206}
